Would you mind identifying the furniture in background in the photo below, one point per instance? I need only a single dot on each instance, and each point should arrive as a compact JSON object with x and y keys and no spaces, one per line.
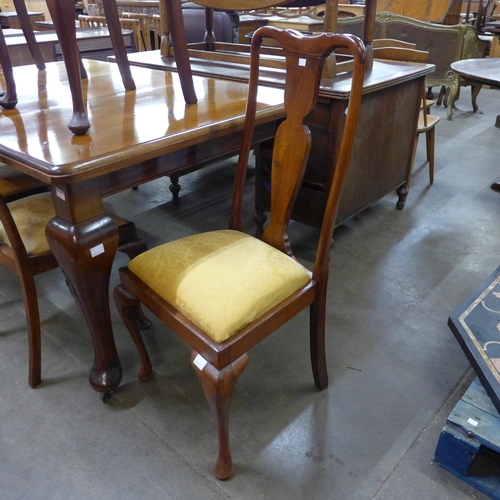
{"x":12,"y":20}
{"x":445,"y":44}
{"x":120,"y":152}
{"x":479,"y":72}
{"x":25,"y":209}
{"x":435,"y":11}
{"x":426,"y":121}
{"x":93,"y":43}
{"x":223,"y":292}
{"x":133,"y":25}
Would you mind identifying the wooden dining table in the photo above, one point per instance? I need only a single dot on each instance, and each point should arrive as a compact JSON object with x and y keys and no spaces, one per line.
{"x":135,"y":136}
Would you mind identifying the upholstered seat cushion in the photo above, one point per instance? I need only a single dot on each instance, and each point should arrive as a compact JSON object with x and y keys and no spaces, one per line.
{"x":31,"y":215}
{"x":13,"y":181}
{"x":220,"y":280}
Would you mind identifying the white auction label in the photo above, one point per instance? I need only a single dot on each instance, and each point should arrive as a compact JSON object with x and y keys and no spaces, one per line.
{"x":200,"y":361}
{"x":473,"y":422}
{"x":60,"y":194}
{"x":98,"y":250}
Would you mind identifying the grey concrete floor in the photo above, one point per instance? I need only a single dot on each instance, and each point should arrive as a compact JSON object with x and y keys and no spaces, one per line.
{"x":395,"y":369}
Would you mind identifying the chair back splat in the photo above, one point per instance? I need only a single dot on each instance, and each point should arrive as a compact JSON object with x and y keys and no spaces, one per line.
{"x":304,"y":62}
{"x":224,"y":291}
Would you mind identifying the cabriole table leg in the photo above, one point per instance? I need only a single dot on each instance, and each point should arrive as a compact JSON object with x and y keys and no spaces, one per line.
{"x":85,"y":252}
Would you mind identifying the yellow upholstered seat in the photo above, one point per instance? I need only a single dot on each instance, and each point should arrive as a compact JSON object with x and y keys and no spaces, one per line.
{"x":31,"y":216}
{"x":221,"y":280}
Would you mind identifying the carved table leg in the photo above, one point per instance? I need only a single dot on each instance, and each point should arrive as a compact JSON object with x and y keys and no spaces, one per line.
{"x":175,"y":189}
{"x":85,"y":251}
{"x":63,"y":16}
{"x":9,"y":99}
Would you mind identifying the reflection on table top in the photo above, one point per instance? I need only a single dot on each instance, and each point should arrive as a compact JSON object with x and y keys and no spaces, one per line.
{"x":384,"y":74}
{"x":126,"y":127}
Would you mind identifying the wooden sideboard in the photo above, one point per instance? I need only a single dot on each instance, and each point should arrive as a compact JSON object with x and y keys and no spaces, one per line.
{"x":382,"y":153}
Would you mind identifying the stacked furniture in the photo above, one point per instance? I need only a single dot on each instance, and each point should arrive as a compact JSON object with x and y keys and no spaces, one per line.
{"x":445,"y":44}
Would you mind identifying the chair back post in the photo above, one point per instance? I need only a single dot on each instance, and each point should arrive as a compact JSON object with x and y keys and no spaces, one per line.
{"x":305,"y":56}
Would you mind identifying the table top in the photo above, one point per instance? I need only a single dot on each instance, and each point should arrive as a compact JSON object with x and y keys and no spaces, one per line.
{"x":14,"y":14}
{"x":126,"y":127}
{"x":15,"y":37}
{"x":384,"y":74}
{"x":485,"y":70}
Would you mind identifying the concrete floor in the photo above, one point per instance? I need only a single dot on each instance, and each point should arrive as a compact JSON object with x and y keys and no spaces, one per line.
{"x":395,"y":369}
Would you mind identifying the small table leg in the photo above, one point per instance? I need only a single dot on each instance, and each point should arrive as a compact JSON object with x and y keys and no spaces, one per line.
{"x":85,"y":251}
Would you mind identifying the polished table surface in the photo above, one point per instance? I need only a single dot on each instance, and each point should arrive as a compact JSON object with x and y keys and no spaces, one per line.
{"x":384,"y":74}
{"x":486,"y":70}
{"x":135,"y":136}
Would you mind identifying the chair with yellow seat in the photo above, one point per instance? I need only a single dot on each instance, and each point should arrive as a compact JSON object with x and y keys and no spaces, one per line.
{"x":225,"y":291}
{"x":25,"y":208}
{"x":426,"y":122}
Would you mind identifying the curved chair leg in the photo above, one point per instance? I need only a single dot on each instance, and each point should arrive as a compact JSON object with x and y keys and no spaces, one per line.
{"x":442,"y":93}
{"x":453,"y":96}
{"x":24,"y":21}
{"x":62,"y":14}
{"x":474,"y":93}
{"x":430,"y":139}
{"x":219,"y":388}
{"x":9,"y":99}
{"x":115,"y":33}
{"x":317,"y":320}
{"x":130,"y":312}
{"x":33,"y":322}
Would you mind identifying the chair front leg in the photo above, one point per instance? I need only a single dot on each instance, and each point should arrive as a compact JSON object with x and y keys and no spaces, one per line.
{"x":219,"y":388}
{"x":9,"y":99}
{"x":317,"y":321}
{"x":34,"y":332}
{"x":132,"y":316}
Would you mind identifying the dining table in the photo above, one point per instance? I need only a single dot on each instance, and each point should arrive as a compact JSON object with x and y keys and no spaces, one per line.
{"x":135,"y":136}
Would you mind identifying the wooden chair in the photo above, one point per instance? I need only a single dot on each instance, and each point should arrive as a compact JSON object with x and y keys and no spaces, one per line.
{"x":426,"y":122}
{"x":125,"y":23}
{"x":156,"y":25}
{"x":224,"y":291}
{"x":144,"y":29}
{"x":91,"y":21}
{"x":136,"y":26}
{"x":25,"y":209}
